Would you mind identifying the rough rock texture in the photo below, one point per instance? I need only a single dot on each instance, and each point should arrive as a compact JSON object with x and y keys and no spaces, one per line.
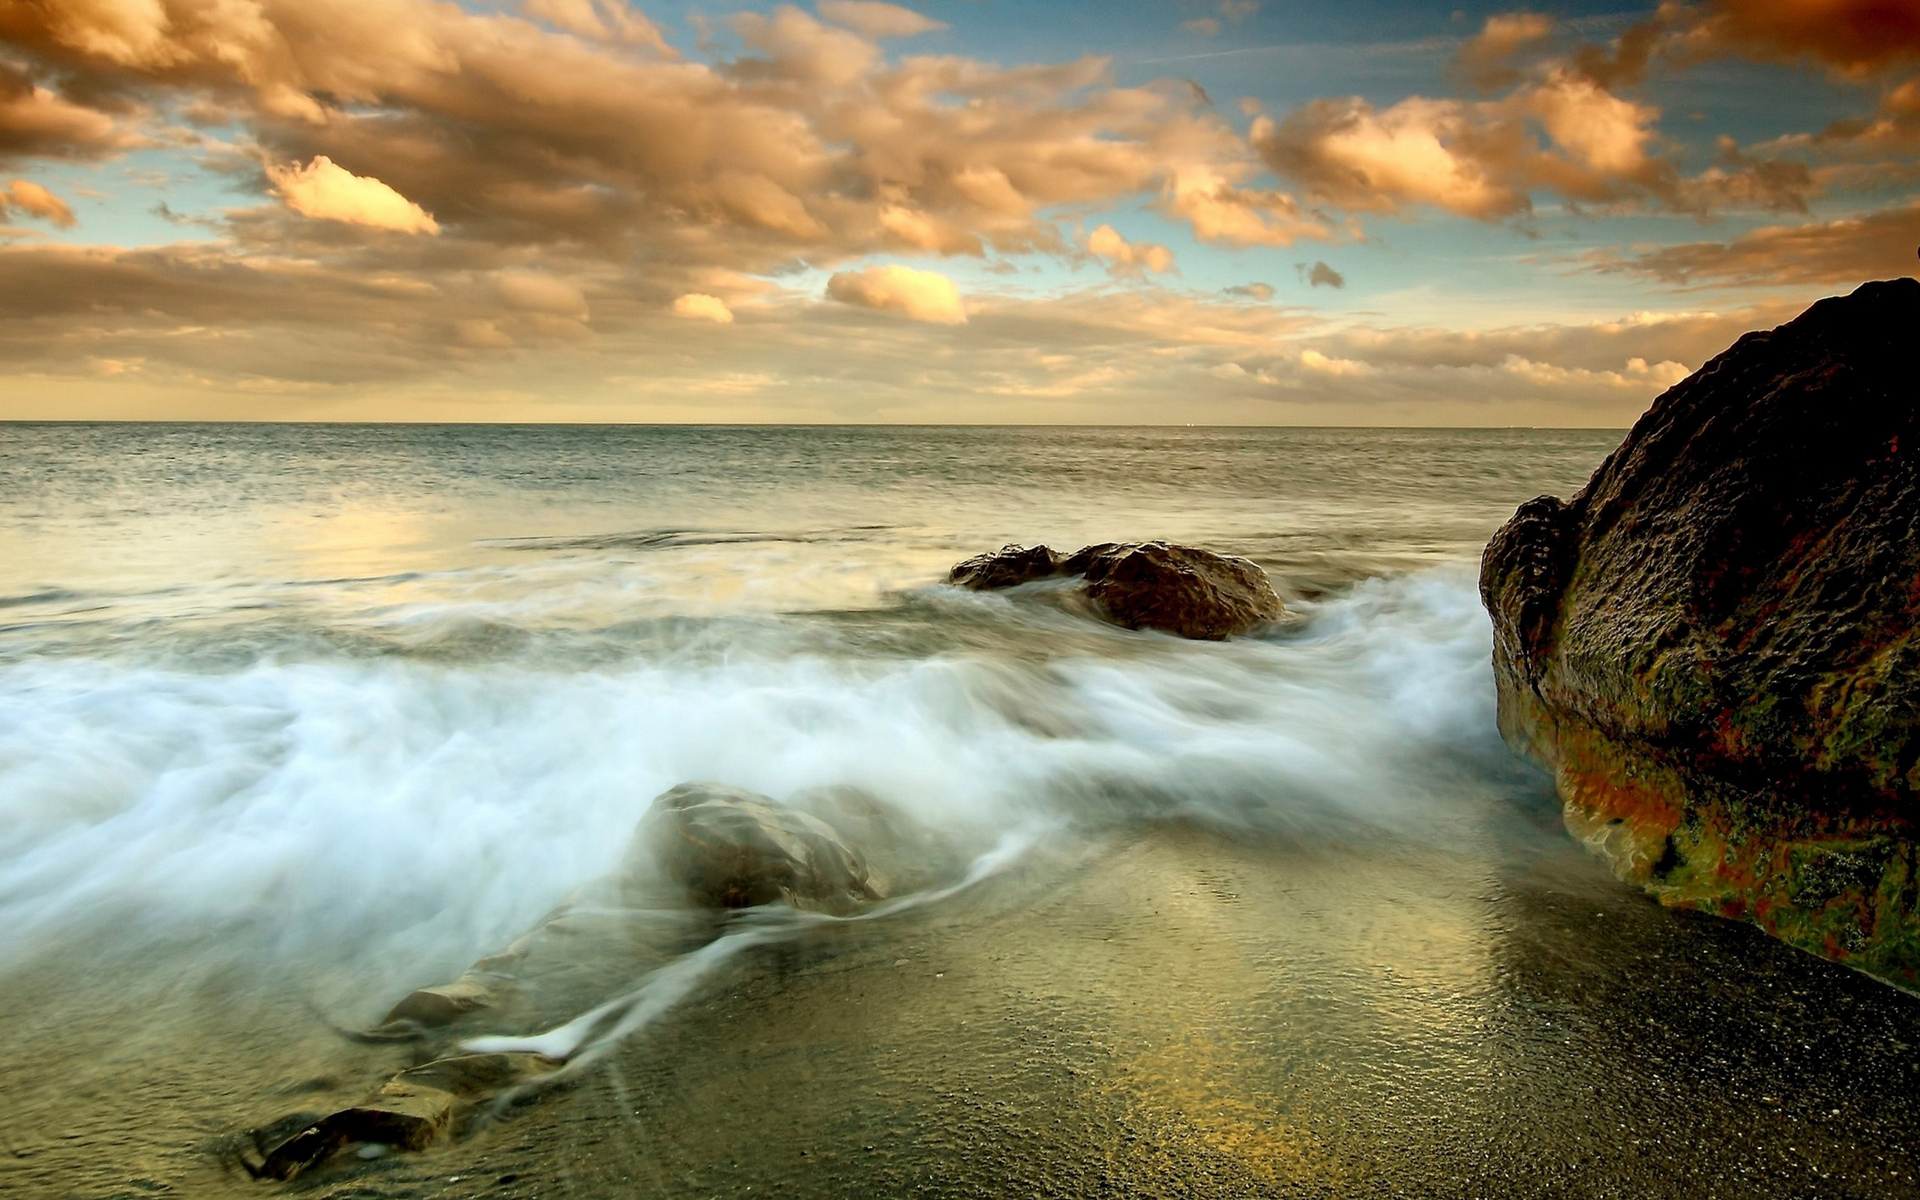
{"x":732,"y":848}
{"x":1143,"y":585}
{"x":1713,"y":644}
{"x":1009,"y":566}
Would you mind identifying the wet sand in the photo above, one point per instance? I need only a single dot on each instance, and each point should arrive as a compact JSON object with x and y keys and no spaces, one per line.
{"x":1166,"y":1010}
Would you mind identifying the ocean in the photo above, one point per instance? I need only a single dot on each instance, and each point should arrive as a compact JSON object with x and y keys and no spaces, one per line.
{"x":294,"y":719}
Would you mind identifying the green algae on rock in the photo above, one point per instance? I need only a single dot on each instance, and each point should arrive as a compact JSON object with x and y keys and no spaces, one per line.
{"x":1712,"y":645}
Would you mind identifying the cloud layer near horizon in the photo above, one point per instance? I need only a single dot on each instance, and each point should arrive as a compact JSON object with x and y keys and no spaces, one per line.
{"x":443,"y":197}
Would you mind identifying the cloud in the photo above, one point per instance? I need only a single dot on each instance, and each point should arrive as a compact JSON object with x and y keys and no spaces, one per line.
{"x":602,"y":20}
{"x":532,"y":291}
{"x":328,"y":192}
{"x":545,"y":129}
{"x":1314,"y":360}
{"x":1218,"y":211}
{"x":1128,"y":258}
{"x":1478,"y":159}
{"x":917,"y":230}
{"x":922,"y":295}
{"x":1636,"y":373}
{"x":1845,"y":252}
{"x":702,"y":307}
{"x":878,"y":20}
{"x":577,"y":167}
{"x":1894,"y":127}
{"x":38,"y":201}
{"x":1228,"y":10}
{"x":1855,"y":37}
{"x":1743,"y":180}
{"x":1563,"y":128}
{"x":1419,"y":151}
{"x":1320,"y":274}
{"x":438,"y":342}
{"x":481,"y":334}
{"x":36,"y":121}
{"x":1486,"y":58}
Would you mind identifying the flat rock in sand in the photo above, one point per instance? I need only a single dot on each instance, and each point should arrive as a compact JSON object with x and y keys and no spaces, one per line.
{"x":411,"y":1111}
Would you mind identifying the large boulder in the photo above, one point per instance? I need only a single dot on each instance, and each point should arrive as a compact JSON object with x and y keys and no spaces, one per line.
{"x":1713,"y":644}
{"x":731,"y":848}
{"x":1181,"y":590}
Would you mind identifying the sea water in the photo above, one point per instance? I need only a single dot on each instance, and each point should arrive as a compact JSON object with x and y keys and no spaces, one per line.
{"x":393,"y":691}
{"x":355,"y":706}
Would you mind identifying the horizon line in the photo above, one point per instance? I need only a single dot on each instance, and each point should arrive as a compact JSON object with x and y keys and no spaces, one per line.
{"x":33,"y":421}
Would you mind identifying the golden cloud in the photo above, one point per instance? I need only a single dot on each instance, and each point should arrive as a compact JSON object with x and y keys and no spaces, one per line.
{"x":602,"y":20}
{"x":355,"y":342}
{"x":1128,"y":258}
{"x":1478,"y":159}
{"x":1843,"y":252}
{"x":1486,"y":58}
{"x":30,"y":197}
{"x":702,"y":307}
{"x":921,"y":295}
{"x":34,"y":120}
{"x":555,"y":144}
{"x":326,"y":191}
{"x":545,"y":129}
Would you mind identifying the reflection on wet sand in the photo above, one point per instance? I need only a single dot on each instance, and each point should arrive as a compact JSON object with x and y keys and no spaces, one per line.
{"x":1166,"y":1010}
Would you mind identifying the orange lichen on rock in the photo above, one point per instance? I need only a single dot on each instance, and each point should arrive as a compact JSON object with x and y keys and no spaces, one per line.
{"x":1715,"y":645}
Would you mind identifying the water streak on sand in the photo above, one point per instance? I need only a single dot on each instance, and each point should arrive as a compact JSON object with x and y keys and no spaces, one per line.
{"x":589,"y":1037}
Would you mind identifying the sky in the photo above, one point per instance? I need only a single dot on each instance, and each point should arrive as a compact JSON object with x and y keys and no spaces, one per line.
{"x":1266,"y":212}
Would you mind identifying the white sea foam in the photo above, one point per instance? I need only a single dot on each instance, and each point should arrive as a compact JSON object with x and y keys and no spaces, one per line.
{"x":419,"y":810}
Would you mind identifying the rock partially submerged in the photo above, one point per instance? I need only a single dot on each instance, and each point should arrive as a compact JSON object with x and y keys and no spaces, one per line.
{"x":731,"y":848}
{"x":1181,"y":590}
{"x":1713,"y":644}
{"x":1009,"y":566}
{"x":715,"y":846}
{"x":481,"y":986}
{"x":723,"y":847}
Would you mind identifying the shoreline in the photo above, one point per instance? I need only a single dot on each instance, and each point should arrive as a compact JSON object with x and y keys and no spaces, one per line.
{"x":1179,"y":1011}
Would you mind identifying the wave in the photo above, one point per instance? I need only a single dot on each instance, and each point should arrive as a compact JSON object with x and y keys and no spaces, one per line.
{"x":409,"y":812}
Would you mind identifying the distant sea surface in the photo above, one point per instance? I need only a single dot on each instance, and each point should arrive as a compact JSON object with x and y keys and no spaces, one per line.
{"x":294,"y":719}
